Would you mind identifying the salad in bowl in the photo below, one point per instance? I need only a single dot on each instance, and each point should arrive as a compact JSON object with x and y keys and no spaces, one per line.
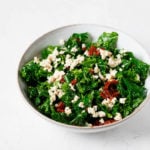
{"x":86,"y":83}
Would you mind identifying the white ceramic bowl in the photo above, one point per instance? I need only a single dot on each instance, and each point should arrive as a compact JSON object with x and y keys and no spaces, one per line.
{"x":53,"y":37}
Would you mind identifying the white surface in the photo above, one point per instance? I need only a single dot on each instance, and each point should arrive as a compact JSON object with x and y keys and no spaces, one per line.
{"x":21,"y":22}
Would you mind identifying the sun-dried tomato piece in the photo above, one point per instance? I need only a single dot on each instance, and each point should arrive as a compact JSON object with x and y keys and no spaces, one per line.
{"x":110,"y":89}
{"x":109,"y":121}
{"x":62,"y":80}
{"x":91,"y":71}
{"x":60,"y":107}
{"x":96,"y":123}
{"x":93,"y":51}
{"x":73,"y":82}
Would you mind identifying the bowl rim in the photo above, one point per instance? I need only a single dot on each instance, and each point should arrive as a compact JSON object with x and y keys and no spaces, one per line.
{"x":85,"y":128}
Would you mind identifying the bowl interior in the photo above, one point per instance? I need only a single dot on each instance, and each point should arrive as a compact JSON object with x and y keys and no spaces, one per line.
{"x":53,"y":38}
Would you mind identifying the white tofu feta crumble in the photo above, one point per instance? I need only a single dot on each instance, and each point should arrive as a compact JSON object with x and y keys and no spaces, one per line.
{"x":74,"y":49}
{"x":68,"y":111}
{"x":95,"y":76}
{"x":53,"y":92}
{"x":86,"y":53}
{"x":101,"y":76}
{"x":46,"y":64}
{"x":52,"y":57}
{"x":36,"y":60}
{"x":72,"y":87}
{"x":92,"y":111}
{"x":57,"y":76}
{"x":109,"y":102}
{"x":72,"y":63}
{"x":113,"y":62}
{"x":118,"y":117}
{"x":102,"y":121}
{"x":101,"y":114}
{"x":83,"y":45}
{"x":75,"y":99}
{"x":61,"y":52}
{"x":111,"y":74}
{"x":122,"y":100}
{"x":104,"y":53}
{"x":88,"y":124}
{"x":96,"y":69}
{"x":81,"y":105}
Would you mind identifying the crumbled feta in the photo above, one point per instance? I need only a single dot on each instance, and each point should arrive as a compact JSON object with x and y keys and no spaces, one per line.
{"x":80,"y":58}
{"x":88,"y":124}
{"x":46,"y":64}
{"x":72,"y":87}
{"x":101,"y":114}
{"x":122,"y":100}
{"x":72,"y":63}
{"x":104,"y":53}
{"x":86,"y":53}
{"x":109,"y":102}
{"x":96,"y":69}
{"x":118,"y":117}
{"x":102,"y":121}
{"x":52,"y":98}
{"x":75,"y":99}
{"x":68,"y":61}
{"x":95,"y":115}
{"x":111,"y":74}
{"x":53,"y":92}
{"x":56,"y":62}
{"x":74,"y":49}
{"x":52,"y":57}
{"x":113,"y":62}
{"x":76,"y":61}
{"x":61,"y":42}
{"x":95,"y":76}
{"x":114,"y":100}
{"x":108,"y":76}
{"x":81,"y":105}
{"x":60,"y":93}
{"x":61,"y":52}
{"x":57,"y":76}
{"x":68,"y":56}
{"x":83,"y":45}
{"x":101,"y":76}
{"x":68,"y":111}
{"x":95,"y":107}
{"x":36,"y":60}
{"x":90,"y":110}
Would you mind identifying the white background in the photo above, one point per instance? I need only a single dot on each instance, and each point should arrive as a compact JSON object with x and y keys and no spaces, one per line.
{"x":21,"y":22}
